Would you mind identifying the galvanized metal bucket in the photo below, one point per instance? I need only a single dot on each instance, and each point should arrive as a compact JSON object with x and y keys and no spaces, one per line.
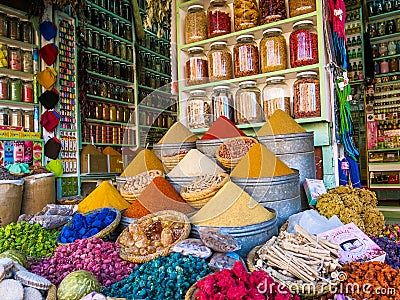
{"x":161,"y":150}
{"x":281,"y":193}
{"x":179,"y":182}
{"x":296,"y":150}
{"x":247,"y":236}
{"x":209,"y":147}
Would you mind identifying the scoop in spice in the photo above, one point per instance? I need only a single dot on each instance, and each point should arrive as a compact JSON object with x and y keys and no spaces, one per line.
{"x":222,"y":128}
{"x":178,"y":133}
{"x":280,"y":123}
{"x":260,"y":162}
{"x":145,"y":160}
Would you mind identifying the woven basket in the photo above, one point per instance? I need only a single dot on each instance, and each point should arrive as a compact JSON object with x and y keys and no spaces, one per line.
{"x":164,"y":252}
{"x":231,"y":162}
{"x":293,"y":286}
{"x":52,"y":293}
{"x":103,"y":234}
{"x":130,"y":197}
{"x":191,"y":292}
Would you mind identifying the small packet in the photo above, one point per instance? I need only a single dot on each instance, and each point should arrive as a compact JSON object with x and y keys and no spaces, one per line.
{"x":24,"y":218}
{"x":220,"y":261}
{"x":218,"y":241}
{"x":194,"y":247}
{"x":50,"y":221}
{"x":60,"y":210}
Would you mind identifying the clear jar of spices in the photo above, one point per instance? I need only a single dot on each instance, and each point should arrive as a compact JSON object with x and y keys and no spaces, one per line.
{"x":246,"y":58}
{"x":248,"y":107}
{"x":106,"y":112}
{"x":117,"y":48}
{"x":199,"y":110}
{"x":219,"y":18}
{"x":245,"y":14}
{"x":131,"y":97}
{"x":13,"y":29}
{"x":3,"y":25}
{"x":26,"y":32}
{"x":96,"y":40}
{"x":28,"y":120}
{"x":276,"y":95}
{"x":303,"y":44}
{"x":103,"y":89}
{"x":219,"y":62}
{"x":14,"y":57}
{"x":123,"y":50}
{"x":273,"y":54}
{"x":4,"y":88}
{"x":110,"y":45}
{"x":16,"y":118}
{"x":272,"y":11}
{"x":89,"y":37}
{"x":4,"y":117}
{"x":306,"y":96}
{"x":223,"y":104}
{"x":95,"y":63}
{"x":110,"y":67}
{"x":127,"y":114}
{"x":27,"y":61}
{"x":99,"y":111}
{"x":3,"y":55}
{"x":102,"y":65}
{"x":129,"y":56}
{"x":195,"y":24}
{"x":128,"y":32}
{"x":27,"y":92}
{"x":301,"y":7}
{"x":15,"y":89}
{"x":196,"y":66}
{"x":120,"y":114}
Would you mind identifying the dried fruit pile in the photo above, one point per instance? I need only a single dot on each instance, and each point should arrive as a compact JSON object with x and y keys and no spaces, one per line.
{"x":353,"y":205}
{"x":392,"y":232}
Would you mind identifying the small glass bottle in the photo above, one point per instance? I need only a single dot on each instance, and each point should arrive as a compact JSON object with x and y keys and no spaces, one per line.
{"x":393,"y":65}
{"x":246,"y":57}
{"x":196,"y":66}
{"x":306,"y":96}
{"x":199,"y":113}
{"x":219,"y":18}
{"x":219,"y":62}
{"x":223,"y":103}
{"x":276,"y":95}
{"x":195,"y":24}
{"x":248,"y":106}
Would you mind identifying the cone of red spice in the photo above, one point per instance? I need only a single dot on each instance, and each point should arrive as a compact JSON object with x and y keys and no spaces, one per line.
{"x":136,"y":210}
{"x":161,"y":195}
{"x":221,"y":129}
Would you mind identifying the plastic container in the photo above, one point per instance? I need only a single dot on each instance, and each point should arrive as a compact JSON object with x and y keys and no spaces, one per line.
{"x":281,"y":193}
{"x":219,"y":18}
{"x":303,"y":44}
{"x":272,"y":11}
{"x":248,"y":107}
{"x":273,"y":53}
{"x":248,"y":236}
{"x":301,"y":7}
{"x":195,"y":24}
{"x":245,"y":14}
{"x":306,"y":96}
{"x":246,"y":58}
{"x":276,"y":95}
{"x":196,"y":67}
{"x":219,"y":62}
{"x":223,"y":103}
{"x":199,"y":112}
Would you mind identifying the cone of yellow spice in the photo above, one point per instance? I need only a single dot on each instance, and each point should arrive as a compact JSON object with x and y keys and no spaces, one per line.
{"x":280,"y":123}
{"x":231,"y":207}
{"x":105,"y":195}
{"x":260,"y":162}
{"x":178,"y":133}
{"x":145,"y":160}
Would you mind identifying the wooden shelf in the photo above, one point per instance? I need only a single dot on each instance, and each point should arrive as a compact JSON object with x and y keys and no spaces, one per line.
{"x":383,"y":150}
{"x":156,"y":72}
{"x":129,"y":104}
{"x":18,"y":104}
{"x":145,"y":107}
{"x":128,"y":83}
{"x":154,"y":53}
{"x":388,"y":15}
{"x":387,"y":57}
{"x":384,"y":186}
{"x":16,"y":74}
{"x":16,"y":43}
{"x":149,"y":127}
{"x":385,"y":37}
{"x":109,"y":34}
{"x":109,"y":56}
{"x":154,"y":90}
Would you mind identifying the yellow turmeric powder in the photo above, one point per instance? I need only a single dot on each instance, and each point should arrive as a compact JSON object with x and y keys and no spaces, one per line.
{"x":105,"y":195}
{"x":280,"y":123}
{"x":145,"y":160}
{"x":260,"y":162}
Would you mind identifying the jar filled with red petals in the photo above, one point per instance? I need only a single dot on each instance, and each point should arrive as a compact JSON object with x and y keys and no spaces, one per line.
{"x":303,"y":44}
{"x":246,"y":58}
{"x":219,"y":18}
{"x":196,"y":67}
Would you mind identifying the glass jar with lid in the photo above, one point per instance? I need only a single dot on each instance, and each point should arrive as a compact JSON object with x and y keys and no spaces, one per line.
{"x":102,"y":65}
{"x":130,"y":95}
{"x":4,"y":88}
{"x":28,"y":120}
{"x":15,"y":117}
{"x":392,"y":47}
{"x":219,"y":62}
{"x":103,"y":89}
{"x":383,"y":49}
{"x":219,"y":18}
{"x":109,"y":45}
{"x":248,"y":106}
{"x":223,"y":103}
{"x":245,"y":13}
{"x":306,"y":96}
{"x":99,"y":111}
{"x":13,"y":29}
{"x":129,"y":56}
{"x":27,"y":61}
{"x":303,"y":44}
{"x":246,"y":58}
{"x":14,"y":57}
{"x":128,"y":32}
{"x":3,"y":25}
{"x":273,"y":53}
{"x":110,"y":67}
{"x":15,"y":89}
{"x":123,"y":50}
{"x":4,"y":117}
{"x":199,"y":113}
{"x":301,"y":7}
{"x":26,"y":32}
{"x":124,"y":94}
{"x":95,"y":63}
{"x":117,"y":69}
{"x":120,"y":114}
{"x":276,"y":95}
{"x":27,"y":92}
{"x":113,"y":113}
{"x":195,"y":24}
{"x":3,"y":55}
{"x":196,"y":66}
{"x":127,"y":114}
{"x":272,"y":11}
{"x":117,"y":48}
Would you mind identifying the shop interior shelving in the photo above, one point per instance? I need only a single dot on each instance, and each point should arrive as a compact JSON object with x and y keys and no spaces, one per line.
{"x":24,"y":76}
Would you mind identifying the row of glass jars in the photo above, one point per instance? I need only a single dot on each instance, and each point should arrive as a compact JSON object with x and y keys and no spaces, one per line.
{"x":247,"y":61}
{"x":385,"y":49}
{"x":151,"y":80}
{"x":153,"y":100}
{"x":156,"y":119}
{"x":109,"y":90}
{"x":15,"y":89}
{"x":18,"y":118}
{"x":384,"y":27}
{"x":251,"y":106}
{"x":108,"y":66}
{"x":16,"y":59}
{"x":200,"y":25}
{"x":387,"y":66}
{"x":155,"y":44}
{"x":108,"y":44}
{"x":110,"y":112}
{"x":16,"y":29}
{"x":154,"y":62}
{"x":378,"y":7}
{"x":103,"y":134}
{"x":118,"y":7}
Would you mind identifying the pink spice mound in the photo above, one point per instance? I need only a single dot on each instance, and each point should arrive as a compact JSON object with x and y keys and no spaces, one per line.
{"x":239,"y":284}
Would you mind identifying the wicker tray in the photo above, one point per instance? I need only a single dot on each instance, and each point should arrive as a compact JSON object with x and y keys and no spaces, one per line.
{"x":103,"y":234}
{"x":52,"y":293}
{"x":319,"y":288}
{"x":191,"y":292}
{"x":130,"y":197}
{"x":231,"y":162}
{"x":164,"y":252}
